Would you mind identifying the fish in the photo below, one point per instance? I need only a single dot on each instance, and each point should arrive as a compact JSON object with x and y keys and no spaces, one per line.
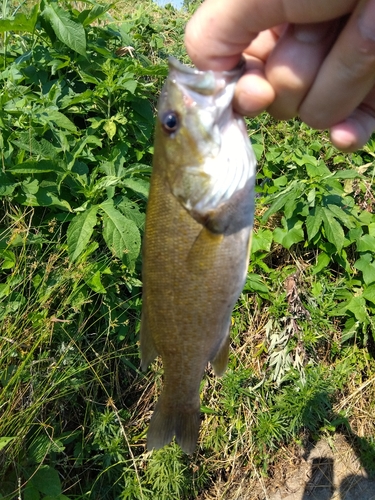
{"x":196,"y":242}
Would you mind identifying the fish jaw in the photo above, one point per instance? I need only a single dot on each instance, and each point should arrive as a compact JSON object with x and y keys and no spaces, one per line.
{"x":209,"y":155}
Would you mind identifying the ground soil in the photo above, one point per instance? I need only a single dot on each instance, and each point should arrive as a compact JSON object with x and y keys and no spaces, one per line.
{"x":327,"y":470}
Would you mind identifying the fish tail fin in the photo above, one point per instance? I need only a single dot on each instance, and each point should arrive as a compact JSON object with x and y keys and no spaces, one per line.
{"x":220,"y":361}
{"x":168,"y":421}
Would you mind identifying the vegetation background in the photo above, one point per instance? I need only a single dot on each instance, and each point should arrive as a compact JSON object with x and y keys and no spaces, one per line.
{"x":78,"y":89}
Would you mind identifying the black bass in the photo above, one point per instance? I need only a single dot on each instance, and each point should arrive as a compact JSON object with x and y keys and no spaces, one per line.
{"x":197,"y":241}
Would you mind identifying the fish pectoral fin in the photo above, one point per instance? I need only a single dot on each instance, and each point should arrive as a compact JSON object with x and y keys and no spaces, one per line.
{"x":220,"y":361}
{"x":167,"y":422}
{"x":147,"y":344}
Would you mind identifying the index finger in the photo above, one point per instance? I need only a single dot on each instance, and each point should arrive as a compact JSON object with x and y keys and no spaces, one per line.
{"x":220,"y":30}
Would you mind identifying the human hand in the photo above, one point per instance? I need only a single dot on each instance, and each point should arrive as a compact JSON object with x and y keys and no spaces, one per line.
{"x":314,"y":59}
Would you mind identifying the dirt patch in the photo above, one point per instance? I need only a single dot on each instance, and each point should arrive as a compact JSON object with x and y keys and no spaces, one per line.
{"x":327,"y":470}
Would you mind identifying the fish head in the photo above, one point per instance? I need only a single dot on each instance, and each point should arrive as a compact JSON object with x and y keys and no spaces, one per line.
{"x":206,"y":151}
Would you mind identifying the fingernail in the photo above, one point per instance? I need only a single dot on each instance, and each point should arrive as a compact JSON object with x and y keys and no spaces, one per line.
{"x":311,"y":33}
{"x":366,"y":20}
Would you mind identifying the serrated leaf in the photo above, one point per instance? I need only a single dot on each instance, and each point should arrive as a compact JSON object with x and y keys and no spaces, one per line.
{"x":40,"y":147}
{"x":121,"y":234}
{"x":333,"y":229}
{"x":313,"y":222}
{"x":132,"y":212}
{"x":53,"y":116}
{"x":140,"y":186}
{"x":291,"y":193}
{"x":79,"y":232}
{"x":69,"y":32}
{"x":341,"y":215}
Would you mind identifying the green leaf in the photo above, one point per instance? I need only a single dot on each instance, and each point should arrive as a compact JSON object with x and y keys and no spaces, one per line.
{"x":5,"y":440}
{"x":9,"y":259}
{"x":35,"y":146}
{"x":50,"y":115}
{"x":21,"y":22}
{"x":261,"y":240}
{"x":36,"y":167}
{"x":346,"y":174}
{"x":69,"y":32}
{"x":7,"y":186}
{"x":41,"y":445}
{"x":94,"y":282}
{"x":315,"y":168}
{"x":45,"y":197}
{"x":30,"y":492}
{"x":121,"y":234}
{"x":342,"y":216}
{"x":288,"y":195}
{"x":132,"y":212}
{"x":369,"y":293}
{"x":258,"y":150}
{"x":333,"y":229}
{"x":288,"y":237}
{"x":110,"y":127}
{"x":47,"y":481}
{"x":254,"y":283}
{"x":365,"y":264}
{"x":313,"y":222}
{"x":357,"y":305}
{"x":89,"y":16}
{"x":79,"y":232}
{"x":366,"y":243}
{"x":140,"y":186}
{"x":322,"y":262}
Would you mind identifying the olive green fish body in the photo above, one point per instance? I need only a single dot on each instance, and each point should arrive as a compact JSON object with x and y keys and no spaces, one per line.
{"x":195,"y":258}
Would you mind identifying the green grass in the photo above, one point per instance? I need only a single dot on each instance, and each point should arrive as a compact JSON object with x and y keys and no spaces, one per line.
{"x":74,"y":407}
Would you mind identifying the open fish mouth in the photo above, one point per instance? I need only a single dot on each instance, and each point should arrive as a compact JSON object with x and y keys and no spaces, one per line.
{"x":204,"y":82}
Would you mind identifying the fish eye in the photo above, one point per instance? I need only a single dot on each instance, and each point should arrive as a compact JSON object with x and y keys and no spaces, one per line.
{"x":170,"y":122}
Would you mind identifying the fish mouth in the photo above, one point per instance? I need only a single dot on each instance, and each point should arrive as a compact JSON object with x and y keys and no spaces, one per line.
{"x":204,"y":82}
{"x":183,"y":68}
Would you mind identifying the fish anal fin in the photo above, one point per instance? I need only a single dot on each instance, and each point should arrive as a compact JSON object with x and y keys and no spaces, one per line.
{"x":220,"y":361}
{"x":147,"y":344}
{"x":167,"y":422}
